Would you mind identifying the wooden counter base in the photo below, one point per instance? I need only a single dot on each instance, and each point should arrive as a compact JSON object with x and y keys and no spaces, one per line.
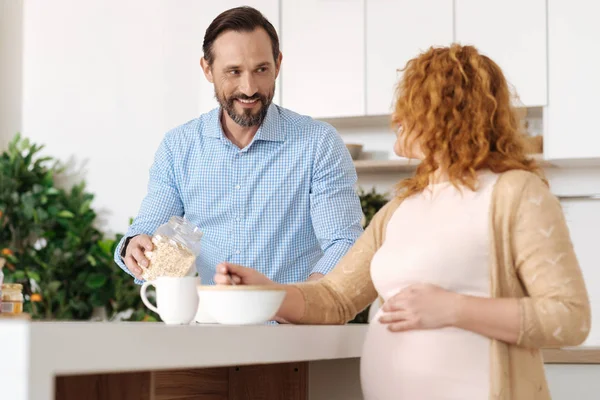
{"x":273,"y":381}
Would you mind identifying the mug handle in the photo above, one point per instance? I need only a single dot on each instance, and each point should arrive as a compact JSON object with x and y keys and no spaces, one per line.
{"x":145,"y":299}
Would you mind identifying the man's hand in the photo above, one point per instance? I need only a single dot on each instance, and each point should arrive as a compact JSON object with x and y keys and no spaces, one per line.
{"x":134,"y":254}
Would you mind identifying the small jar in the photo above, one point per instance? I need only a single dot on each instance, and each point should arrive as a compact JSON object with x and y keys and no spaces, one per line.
{"x":12,"y":299}
{"x":176,"y":246}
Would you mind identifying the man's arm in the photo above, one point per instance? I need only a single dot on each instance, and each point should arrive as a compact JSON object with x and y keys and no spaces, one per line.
{"x":162,"y":201}
{"x":335,"y":207}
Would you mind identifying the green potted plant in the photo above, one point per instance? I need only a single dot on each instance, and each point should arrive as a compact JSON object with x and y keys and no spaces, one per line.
{"x":51,"y":246}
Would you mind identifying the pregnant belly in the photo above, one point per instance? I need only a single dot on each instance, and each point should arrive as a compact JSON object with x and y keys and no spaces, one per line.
{"x":436,"y":364}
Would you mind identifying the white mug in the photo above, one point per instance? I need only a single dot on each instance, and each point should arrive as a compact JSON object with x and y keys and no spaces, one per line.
{"x":176,"y":298}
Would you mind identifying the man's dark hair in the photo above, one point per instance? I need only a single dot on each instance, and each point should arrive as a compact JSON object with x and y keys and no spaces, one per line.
{"x":239,"y":19}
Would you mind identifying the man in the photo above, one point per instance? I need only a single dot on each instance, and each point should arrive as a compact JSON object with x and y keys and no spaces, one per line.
{"x":270,"y":189}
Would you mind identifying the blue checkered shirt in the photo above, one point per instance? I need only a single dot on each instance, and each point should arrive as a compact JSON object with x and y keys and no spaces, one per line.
{"x":284,"y":205}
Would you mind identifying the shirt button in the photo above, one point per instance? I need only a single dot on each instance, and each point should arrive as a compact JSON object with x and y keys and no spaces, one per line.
{"x":237,"y":219}
{"x":237,"y":186}
{"x":237,"y":252}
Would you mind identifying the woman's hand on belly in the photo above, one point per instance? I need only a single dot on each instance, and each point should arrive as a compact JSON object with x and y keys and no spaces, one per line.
{"x":420,"y":306}
{"x":427,"y":306}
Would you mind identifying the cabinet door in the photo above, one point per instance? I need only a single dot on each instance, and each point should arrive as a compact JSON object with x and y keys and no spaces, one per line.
{"x":323,"y":72}
{"x":186,"y":23}
{"x":396,"y":31}
{"x":513,"y":34}
{"x":571,"y":124}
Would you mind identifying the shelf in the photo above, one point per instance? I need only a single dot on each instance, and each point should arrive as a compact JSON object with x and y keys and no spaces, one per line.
{"x":574,"y":355}
{"x":409,"y":165}
{"x":385,"y":166}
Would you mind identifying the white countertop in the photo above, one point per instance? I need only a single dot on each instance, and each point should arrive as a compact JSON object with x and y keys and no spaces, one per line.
{"x":42,"y":350}
{"x":33,"y":353}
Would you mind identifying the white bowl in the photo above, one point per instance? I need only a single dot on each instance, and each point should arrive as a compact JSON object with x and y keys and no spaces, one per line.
{"x":239,"y":304}
{"x":202,"y":315}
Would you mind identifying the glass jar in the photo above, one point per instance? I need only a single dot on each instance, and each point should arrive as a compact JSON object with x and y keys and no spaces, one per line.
{"x":176,"y":246}
{"x":12,"y":299}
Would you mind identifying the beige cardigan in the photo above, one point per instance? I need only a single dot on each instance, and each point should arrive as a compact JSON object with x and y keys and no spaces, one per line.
{"x":532,"y":258}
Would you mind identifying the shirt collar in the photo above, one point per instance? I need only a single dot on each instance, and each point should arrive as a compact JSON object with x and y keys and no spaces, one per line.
{"x":269,"y":130}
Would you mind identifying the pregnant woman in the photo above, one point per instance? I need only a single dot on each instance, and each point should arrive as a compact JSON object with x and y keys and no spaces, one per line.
{"x":472,"y":258}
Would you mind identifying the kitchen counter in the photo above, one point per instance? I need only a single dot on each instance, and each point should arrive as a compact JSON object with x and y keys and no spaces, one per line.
{"x":39,"y":352}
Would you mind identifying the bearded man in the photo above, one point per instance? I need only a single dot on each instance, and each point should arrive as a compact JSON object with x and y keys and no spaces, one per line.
{"x":269,"y":188}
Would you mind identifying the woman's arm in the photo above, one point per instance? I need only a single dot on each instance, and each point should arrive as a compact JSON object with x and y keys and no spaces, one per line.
{"x":556,"y":311}
{"x":335,"y":298}
{"x":341,"y":294}
{"x":494,"y":318}
{"x":292,"y":308}
{"x":347,"y":289}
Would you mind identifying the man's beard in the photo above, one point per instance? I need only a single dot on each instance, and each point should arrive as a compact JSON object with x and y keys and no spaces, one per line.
{"x":246,"y":118}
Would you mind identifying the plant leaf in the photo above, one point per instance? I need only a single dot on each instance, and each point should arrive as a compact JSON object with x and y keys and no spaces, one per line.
{"x":53,"y":286}
{"x":85,"y":206}
{"x":95,"y":281}
{"x":34,"y":275}
{"x":66,"y":214}
{"x":19,"y":275}
{"x":106,"y":245}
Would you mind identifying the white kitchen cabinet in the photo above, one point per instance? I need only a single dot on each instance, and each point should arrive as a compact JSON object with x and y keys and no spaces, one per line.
{"x":573,"y":381}
{"x":583,"y":220}
{"x":186,"y":23}
{"x":396,"y":31}
{"x":571,"y":118}
{"x":323,"y":45}
{"x":513,"y":34}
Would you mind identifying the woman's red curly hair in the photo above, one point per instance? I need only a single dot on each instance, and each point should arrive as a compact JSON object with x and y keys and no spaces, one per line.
{"x":455,"y":105}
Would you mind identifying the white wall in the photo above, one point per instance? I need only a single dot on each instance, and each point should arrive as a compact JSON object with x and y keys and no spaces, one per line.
{"x":102,"y":82}
{"x":10,"y":68}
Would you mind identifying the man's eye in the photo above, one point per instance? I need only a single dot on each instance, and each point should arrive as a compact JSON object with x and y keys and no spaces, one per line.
{"x":261,"y":69}
{"x":234,"y":72}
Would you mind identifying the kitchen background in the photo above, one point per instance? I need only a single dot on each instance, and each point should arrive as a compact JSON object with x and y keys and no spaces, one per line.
{"x":100,"y":82}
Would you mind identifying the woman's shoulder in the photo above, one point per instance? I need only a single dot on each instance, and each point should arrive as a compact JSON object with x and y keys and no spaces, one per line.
{"x":513,"y":185}
{"x":386,"y":212}
{"x":520,"y":178}
{"x":378,"y":224}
